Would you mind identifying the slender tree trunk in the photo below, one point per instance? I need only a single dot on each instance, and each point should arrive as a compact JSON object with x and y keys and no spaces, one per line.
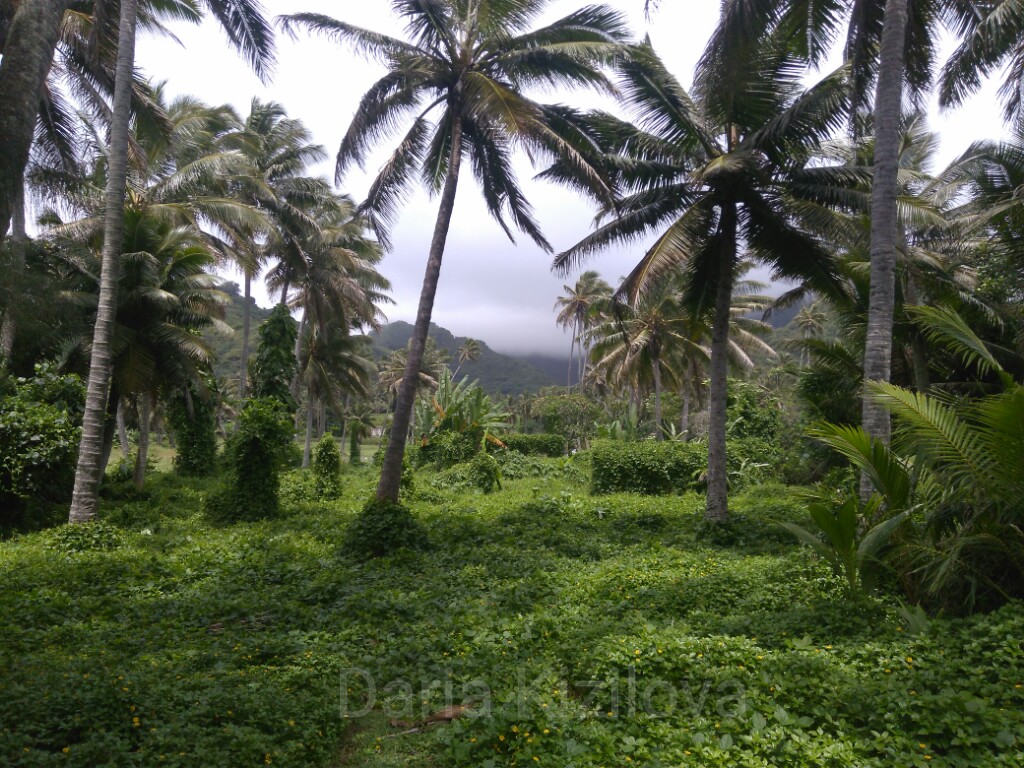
{"x":884,"y":189}
{"x":122,"y":430}
{"x":19,"y":242}
{"x":284,"y":291}
{"x":321,"y":419}
{"x":572,"y":351}
{"x":87,"y":474}
{"x":28,"y":54}
{"x":918,"y":349}
{"x":656,"y":369}
{"x":243,"y":368}
{"x":109,"y":430}
{"x":145,"y":418}
{"x":308,"y":447}
{"x":684,"y":419}
{"x":391,"y":471}
{"x":718,"y":487}
{"x":296,"y":384}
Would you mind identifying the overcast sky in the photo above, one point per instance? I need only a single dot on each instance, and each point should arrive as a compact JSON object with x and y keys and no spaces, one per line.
{"x":490,"y":289}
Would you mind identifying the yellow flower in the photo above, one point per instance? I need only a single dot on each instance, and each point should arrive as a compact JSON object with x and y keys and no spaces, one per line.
{"x":501,"y":737}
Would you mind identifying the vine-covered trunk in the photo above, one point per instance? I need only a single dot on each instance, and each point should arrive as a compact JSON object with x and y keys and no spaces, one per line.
{"x":142,"y":457}
{"x":884,"y":190}
{"x":87,"y":473}
{"x":717,"y":509}
{"x":391,"y":471}
{"x":656,"y":370}
{"x":243,"y":368}
{"x":28,"y":53}
{"x":308,"y":447}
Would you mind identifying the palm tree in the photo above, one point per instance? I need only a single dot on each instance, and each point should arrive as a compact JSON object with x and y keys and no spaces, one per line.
{"x":468,"y":351}
{"x":33,"y":35}
{"x":811,"y":322}
{"x":87,"y":473}
{"x":467,"y":61}
{"x":577,"y":312}
{"x":715,"y":174}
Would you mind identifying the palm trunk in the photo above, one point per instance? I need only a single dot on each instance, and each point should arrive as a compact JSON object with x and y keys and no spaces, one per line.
{"x":284,"y":291}
{"x":884,"y":189}
{"x":296,"y":384}
{"x":308,"y":447}
{"x":717,"y":509}
{"x":142,"y":457}
{"x":918,"y":349}
{"x":684,"y":419}
{"x":28,"y":53}
{"x":656,"y":369}
{"x":87,"y":473}
{"x":572,"y":351}
{"x":19,"y":240}
{"x":122,"y":430}
{"x":243,"y":368}
{"x":391,"y":471}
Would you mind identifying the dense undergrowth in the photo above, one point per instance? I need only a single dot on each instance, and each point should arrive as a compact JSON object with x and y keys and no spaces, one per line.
{"x":582,"y":631}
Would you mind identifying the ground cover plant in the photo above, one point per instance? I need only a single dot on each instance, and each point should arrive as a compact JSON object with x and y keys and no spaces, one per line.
{"x":578,"y":630}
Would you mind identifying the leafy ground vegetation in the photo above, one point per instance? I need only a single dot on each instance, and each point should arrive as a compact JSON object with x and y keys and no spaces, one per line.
{"x":576,"y":630}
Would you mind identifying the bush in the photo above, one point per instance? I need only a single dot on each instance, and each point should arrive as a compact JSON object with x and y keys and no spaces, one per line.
{"x":647,"y":467}
{"x":193,"y":420}
{"x":382,"y":528}
{"x":446,"y":449}
{"x":39,"y":436}
{"x":327,"y":468}
{"x":485,"y":473}
{"x":552,"y":446}
{"x":254,"y":456}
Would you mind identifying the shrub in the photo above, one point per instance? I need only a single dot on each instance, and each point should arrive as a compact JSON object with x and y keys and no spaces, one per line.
{"x":552,"y":446}
{"x":446,"y":449}
{"x":647,"y":467}
{"x":485,"y":473}
{"x":39,"y":436}
{"x":382,"y":528}
{"x":254,"y":457}
{"x":193,"y":421}
{"x":327,"y":468}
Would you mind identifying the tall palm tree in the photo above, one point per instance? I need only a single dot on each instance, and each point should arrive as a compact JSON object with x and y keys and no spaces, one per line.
{"x":723,"y":171}
{"x":459,"y":78}
{"x":577,"y":312}
{"x":467,"y":352}
{"x":810,"y":320}
{"x":33,"y":35}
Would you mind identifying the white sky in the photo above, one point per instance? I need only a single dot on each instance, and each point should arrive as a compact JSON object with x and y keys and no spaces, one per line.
{"x":490,"y":289}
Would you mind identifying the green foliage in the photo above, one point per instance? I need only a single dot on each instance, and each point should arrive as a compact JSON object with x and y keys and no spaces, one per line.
{"x":485,"y":473}
{"x":39,"y":434}
{"x":752,"y":411}
{"x":571,"y":416}
{"x":327,"y":468}
{"x":647,"y":467}
{"x":456,"y":421}
{"x":382,"y":528}
{"x":552,"y":446}
{"x":852,"y":549}
{"x":254,"y":456}
{"x":193,"y":419}
{"x":273,"y":366}
{"x":355,"y":455}
{"x":94,"y":536}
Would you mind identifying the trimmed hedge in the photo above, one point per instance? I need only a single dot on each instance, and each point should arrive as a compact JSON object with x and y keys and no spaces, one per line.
{"x":552,"y":446}
{"x":656,"y":468}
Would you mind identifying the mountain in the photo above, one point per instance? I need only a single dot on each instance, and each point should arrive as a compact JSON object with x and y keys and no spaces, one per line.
{"x":496,"y":372}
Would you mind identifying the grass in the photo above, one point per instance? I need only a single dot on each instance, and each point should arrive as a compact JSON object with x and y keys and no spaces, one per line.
{"x":583,"y":631}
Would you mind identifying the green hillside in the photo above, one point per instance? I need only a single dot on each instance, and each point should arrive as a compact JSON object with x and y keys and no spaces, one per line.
{"x":228,"y":346}
{"x":497,"y":373}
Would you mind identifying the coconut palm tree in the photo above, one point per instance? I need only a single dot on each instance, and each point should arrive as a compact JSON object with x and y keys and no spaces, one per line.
{"x":467,"y":352}
{"x":810,"y":320}
{"x":459,"y":79}
{"x":34,"y":32}
{"x":577,"y":311}
{"x":721,"y":175}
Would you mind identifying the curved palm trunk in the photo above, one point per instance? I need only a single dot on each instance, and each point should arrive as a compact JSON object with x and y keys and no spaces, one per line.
{"x":243,"y":368}
{"x":884,"y":189}
{"x":87,"y":473}
{"x":391,"y":471}
{"x":717,"y":509}
{"x":142,"y":457}
{"x":28,"y":53}
{"x":19,"y":240}
{"x":656,"y":369}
